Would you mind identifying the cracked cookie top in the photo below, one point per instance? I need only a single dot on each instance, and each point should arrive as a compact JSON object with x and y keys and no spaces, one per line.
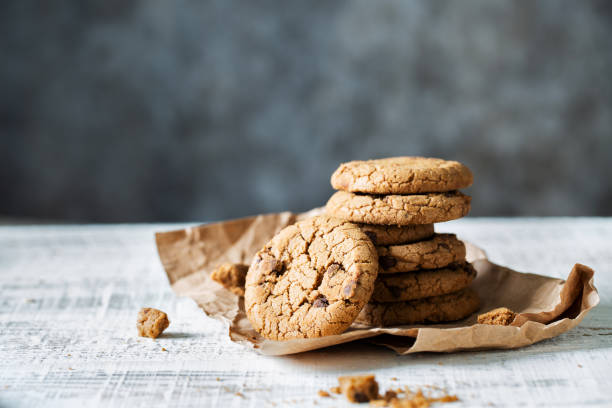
{"x":311,"y":280}
{"x":401,"y":175}
{"x":398,"y":209}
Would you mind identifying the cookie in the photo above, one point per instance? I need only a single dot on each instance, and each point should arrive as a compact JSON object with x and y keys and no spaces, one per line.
{"x":436,"y":309}
{"x":394,"y":235}
{"x":398,"y":209}
{"x":401,"y":175}
{"x":359,"y":388}
{"x":151,"y":322}
{"x":502,"y":316}
{"x":441,"y":250}
{"x":312,"y":279}
{"x":422,"y":284}
{"x":231,"y":276}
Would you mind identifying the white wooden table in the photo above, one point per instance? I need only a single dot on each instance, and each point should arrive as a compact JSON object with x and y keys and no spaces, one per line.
{"x":69,"y":297}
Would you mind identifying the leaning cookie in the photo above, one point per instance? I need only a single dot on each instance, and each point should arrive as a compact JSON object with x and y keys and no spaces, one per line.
{"x":438,"y":252}
{"x":401,"y":175}
{"x":394,"y":235}
{"x":437,"y":309}
{"x":312,"y":279}
{"x":421,"y":284}
{"x":398,"y":209}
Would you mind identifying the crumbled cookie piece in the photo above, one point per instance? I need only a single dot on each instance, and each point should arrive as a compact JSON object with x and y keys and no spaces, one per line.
{"x":336,"y":390}
{"x":231,"y":276}
{"x":151,"y":322}
{"x":323,"y":393}
{"x":501,"y":316}
{"x":410,"y":399}
{"x":359,"y":388}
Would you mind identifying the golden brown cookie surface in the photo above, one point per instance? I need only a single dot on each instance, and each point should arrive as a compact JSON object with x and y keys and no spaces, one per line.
{"x":394,"y":235}
{"x":437,"y":252}
{"x":398,"y":209}
{"x":421,"y":284}
{"x":436,"y":309}
{"x":401,"y":175}
{"x":151,"y":322}
{"x":312,"y":279}
{"x":231,"y":276}
{"x":502,"y":316}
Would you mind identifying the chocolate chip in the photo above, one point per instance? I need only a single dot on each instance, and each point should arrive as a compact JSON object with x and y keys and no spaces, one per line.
{"x":349,"y":288}
{"x":372,"y":236}
{"x":321,"y":302}
{"x":333,"y":268}
{"x":395,"y":291}
{"x":387,"y":261}
{"x":360,"y":397}
{"x":274,"y":265}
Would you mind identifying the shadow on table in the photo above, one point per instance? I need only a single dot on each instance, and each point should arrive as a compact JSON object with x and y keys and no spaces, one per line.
{"x":177,"y":335}
{"x":595,"y":332}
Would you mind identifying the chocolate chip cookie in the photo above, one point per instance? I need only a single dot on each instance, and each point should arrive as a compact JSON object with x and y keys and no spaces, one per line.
{"x":441,"y":250}
{"x":436,"y":309}
{"x":394,"y":235}
{"x":398,"y":209}
{"x":401,"y":175}
{"x":312,"y":279}
{"x":421,"y":284}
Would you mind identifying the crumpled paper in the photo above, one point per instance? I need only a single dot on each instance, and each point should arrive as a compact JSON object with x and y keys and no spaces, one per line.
{"x":546,"y":306}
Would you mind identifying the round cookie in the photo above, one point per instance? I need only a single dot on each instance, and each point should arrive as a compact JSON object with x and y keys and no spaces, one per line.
{"x":312,"y":279}
{"x":394,"y":235}
{"x":436,"y":309}
{"x":398,"y":209}
{"x":401,"y":175}
{"x":441,"y":250}
{"x":400,"y":287}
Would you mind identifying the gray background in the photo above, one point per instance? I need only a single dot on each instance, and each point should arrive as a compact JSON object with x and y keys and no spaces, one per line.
{"x":123,"y":110}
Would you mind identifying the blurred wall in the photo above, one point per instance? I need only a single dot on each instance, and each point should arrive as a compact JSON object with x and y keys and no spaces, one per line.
{"x":126,"y":110}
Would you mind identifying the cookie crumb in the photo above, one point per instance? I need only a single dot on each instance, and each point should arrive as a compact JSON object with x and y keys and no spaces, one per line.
{"x":239,"y":394}
{"x":411,"y":399}
{"x":359,"y":388}
{"x":218,"y":379}
{"x":164,"y":349}
{"x":579,"y":365}
{"x":151,"y":322}
{"x":231,"y":276}
{"x":323,"y":393}
{"x":393,"y":378}
{"x":501,"y":316}
{"x":336,"y":390}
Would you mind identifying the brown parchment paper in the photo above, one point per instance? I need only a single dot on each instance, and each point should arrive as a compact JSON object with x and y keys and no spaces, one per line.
{"x":547,"y":306}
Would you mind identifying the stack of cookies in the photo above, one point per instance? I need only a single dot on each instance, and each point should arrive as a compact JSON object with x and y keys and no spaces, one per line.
{"x":422,"y":276}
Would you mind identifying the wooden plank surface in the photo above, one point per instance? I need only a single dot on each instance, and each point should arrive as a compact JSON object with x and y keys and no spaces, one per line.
{"x":69,"y":297}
